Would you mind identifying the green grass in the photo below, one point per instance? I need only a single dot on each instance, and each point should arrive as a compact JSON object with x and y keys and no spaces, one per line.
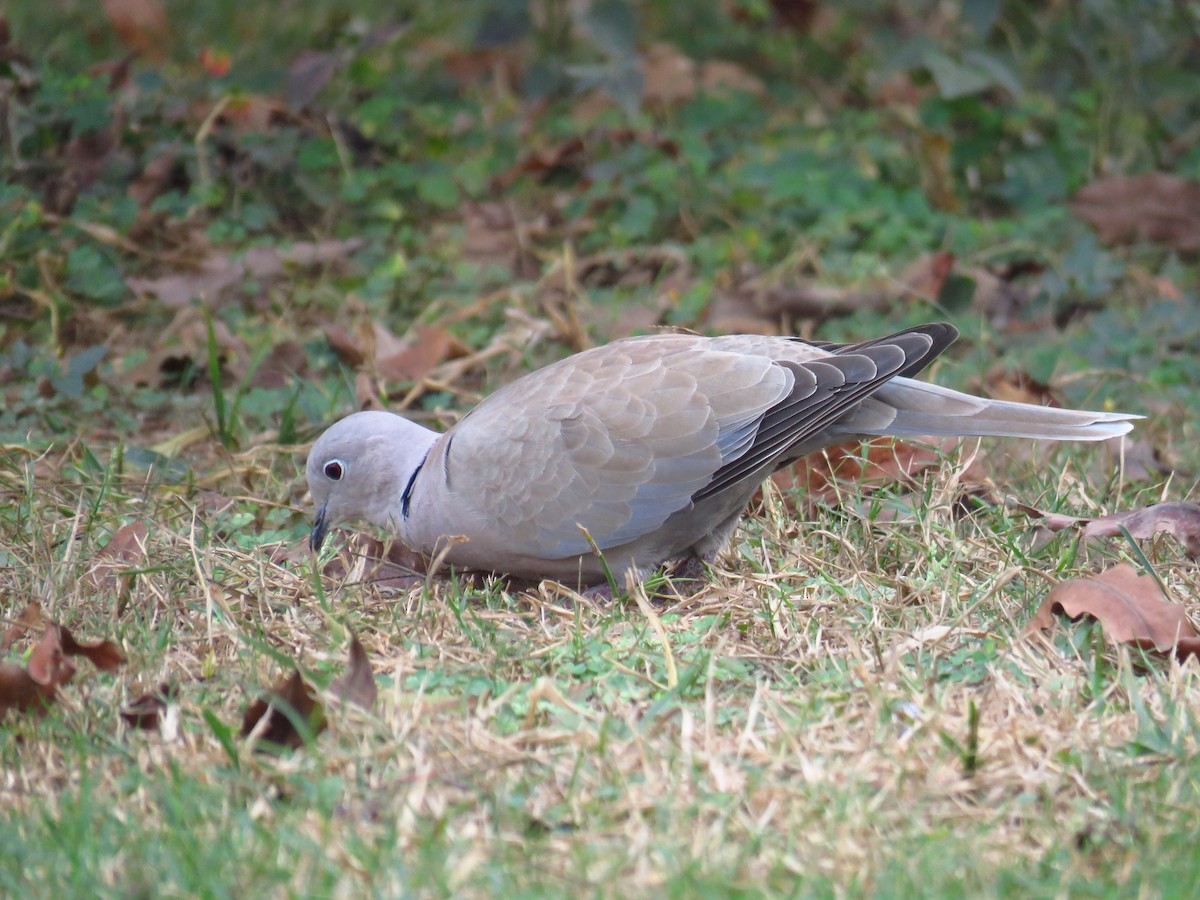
{"x":849,"y":708}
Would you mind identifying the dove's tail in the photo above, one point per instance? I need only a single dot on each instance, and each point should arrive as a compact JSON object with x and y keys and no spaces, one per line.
{"x":904,"y":407}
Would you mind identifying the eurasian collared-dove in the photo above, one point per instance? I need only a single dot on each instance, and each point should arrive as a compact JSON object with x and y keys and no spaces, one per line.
{"x":653,"y":446}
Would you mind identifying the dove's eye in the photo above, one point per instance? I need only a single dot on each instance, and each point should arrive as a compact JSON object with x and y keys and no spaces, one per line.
{"x":335,"y":469}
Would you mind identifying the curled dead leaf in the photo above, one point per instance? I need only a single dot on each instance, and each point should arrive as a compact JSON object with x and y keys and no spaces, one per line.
{"x":126,"y":550}
{"x":387,"y":566}
{"x":292,"y":715}
{"x":1018,"y":387}
{"x":1130,"y":608}
{"x":431,"y":345}
{"x":30,"y":619}
{"x":877,"y":463}
{"x":357,"y":684}
{"x":104,"y":655}
{"x":1179,"y":519}
{"x":148,"y":710}
{"x":214,"y":276}
{"x":1155,"y":207}
{"x":1051,"y":521}
{"x":283,"y":365}
{"x":19,"y":691}
{"x":141,"y":25}
{"x":292,"y":712}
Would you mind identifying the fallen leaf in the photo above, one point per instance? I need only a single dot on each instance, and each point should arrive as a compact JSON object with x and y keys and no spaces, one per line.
{"x":430,"y":346}
{"x":30,"y":619}
{"x":933,"y":152}
{"x":389,"y":566}
{"x":213,"y":276}
{"x":148,"y":710}
{"x":308,"y":75}
{"x":1138,"y":460}
{"x":344,"y":346}
{"x":797,"y":15}
{"x":284,"y":365}
{"x":1129,"y":607}
{"x":180,"y":356}
{"x":48,"y":664}
{"x":295,"y":695}
{"x":157,"y":175}
{"x":357,"y":684}
{"x":21,"y":693}
{"x":1051,"y":521}
{"x":1018,"y":387}
{"x":1155,"y":207}
{"x":371,"y":341}
{"x":822,"y":476}
{"x":670,"y":78}
{"x":141,"y":25}
{"x":104,"y":655}
{"x":126,"y":550}
{"x":493,"y":235}
{"x":1179,"y":519}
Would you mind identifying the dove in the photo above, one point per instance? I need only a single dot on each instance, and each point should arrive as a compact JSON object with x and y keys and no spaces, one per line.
{"x":644,"y":451}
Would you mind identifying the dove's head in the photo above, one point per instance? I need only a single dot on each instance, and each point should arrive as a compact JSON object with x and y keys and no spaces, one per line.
{"x":360,"y":467}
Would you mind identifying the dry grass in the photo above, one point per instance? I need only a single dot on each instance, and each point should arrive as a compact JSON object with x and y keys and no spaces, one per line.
{"x":804,"y":724}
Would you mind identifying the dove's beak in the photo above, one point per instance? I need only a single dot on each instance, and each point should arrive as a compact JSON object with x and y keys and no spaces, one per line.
{"x":320,"y":527}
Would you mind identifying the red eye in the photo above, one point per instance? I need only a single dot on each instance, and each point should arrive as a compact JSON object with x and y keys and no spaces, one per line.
{"x":335,"y":469}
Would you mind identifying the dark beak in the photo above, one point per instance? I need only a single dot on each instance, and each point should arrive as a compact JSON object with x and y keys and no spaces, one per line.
{"x":320,"y":527}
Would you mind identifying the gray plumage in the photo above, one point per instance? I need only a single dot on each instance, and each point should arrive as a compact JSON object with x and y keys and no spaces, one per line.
{"x":653,"y":445}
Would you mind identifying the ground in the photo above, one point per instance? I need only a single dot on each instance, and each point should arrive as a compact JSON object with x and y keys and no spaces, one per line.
{"x":224,"y":227}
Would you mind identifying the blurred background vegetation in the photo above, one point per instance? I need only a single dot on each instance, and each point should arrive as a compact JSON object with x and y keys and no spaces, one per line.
{"x":836,"y":169}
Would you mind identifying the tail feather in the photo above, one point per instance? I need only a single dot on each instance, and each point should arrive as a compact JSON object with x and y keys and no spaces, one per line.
{"x":904,"y":407}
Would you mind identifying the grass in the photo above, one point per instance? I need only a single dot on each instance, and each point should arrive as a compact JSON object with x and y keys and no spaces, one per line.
{"x":849,"y":708}
{"x":817,"y":738}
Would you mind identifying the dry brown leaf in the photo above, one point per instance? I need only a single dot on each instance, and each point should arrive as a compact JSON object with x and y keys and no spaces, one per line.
{"x":30,"y":619}
{"x":104,"y":655}
{"x":48,"y":664}
{"x":283,"y":366}
{"x":493,"y":235}
{"x":669,"y":77}
{"x":1051,"y":521}
{"x":1155,"y":207}
{"x":431,"y":345}
{"x":357,"y":684}
{"x":126,"y":550}
{"x":1019,"y":387}
{"x":147,"y":711}
{"x":308,"y":75}
{"x":1179,"y":519}
{"x":733,"y":312}
{"x":1130,"y":608}
{"x":797,"y":15}
{"x":819,"y":476}
{"x":1139,"y":460}
{"x":141,"y":25}
{"x":214,"y":276}
{"x":389,"y":566}
{"x":294,"y":694}
{"x":21,"y":693}
{"x":155,"y":177}
{"x":180,"y":355}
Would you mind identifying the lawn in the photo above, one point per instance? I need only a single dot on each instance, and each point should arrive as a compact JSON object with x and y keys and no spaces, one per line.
{"x":223,"y":226}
